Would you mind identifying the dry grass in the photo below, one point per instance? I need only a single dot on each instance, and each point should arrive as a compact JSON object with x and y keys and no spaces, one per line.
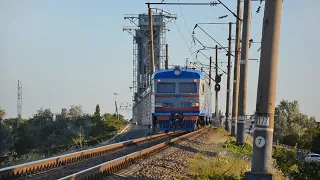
{"x":203,"y":166}
{"x":216,"y":160}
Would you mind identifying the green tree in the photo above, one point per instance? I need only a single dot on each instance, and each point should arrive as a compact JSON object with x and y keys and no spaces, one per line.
{"x":2,"y":114}
{"x":45,"y":134}
{"x":286,"y":159}
{"x":25,"y":136}
{"x":75,"y":111}
{"x":97,"y":112}
{"x":7,"y":139}
{"x":10,"y":122}
{"x":307,"y":171}
{"x":64,"y":113}
{"x":315,"y":144}
{"x":288,"y":163}
{"x":291,"y":126}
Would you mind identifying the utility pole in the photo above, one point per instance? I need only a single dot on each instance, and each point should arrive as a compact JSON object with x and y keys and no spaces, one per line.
{"x":266,"y":93}
{"x":151,"y":40}
{"x":187,"y":63}
{"x":242,"y":106}
{"x":167,"y":58}
{"x":115,"y":103}
{"x":152,"y":58}
{"x":236,"y":73}
{"x":228,"y":82}
{"x":210,"y":79}
{"x":217,"y":97}
{"x":210,"y":69}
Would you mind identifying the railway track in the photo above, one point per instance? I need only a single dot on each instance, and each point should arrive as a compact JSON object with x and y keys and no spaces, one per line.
{"x":62,"y":166}
{"x":110,"y":167}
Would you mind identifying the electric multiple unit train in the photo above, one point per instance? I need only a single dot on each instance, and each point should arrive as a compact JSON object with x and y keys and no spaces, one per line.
{"x":182,"y":99}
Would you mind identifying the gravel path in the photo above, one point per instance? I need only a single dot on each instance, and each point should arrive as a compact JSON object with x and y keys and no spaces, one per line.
{"x":168,"y":164}
{"x":73,"y":168}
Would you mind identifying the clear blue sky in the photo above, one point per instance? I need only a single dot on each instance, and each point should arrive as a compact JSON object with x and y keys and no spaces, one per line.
{"x":75,"y":52}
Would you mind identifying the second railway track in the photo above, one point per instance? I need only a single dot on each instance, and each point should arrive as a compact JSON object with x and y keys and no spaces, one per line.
{"x":61,"y":166}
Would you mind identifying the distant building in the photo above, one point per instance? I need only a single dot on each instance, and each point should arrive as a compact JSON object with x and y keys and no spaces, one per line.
{"x":318,"y":124}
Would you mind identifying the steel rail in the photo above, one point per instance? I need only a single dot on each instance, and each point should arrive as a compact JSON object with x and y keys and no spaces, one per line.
{"x":53,"y":162}
{"x":110,"y":167}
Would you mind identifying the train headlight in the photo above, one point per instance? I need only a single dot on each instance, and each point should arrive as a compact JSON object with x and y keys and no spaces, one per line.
{"x":177,"y":72}
{"x":195,"y":104}
{"x":159,"y":104}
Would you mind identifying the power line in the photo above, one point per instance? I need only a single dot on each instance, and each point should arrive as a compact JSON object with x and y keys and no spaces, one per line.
{"x":198,"y":41}
{"x":194,"y":38}
{"x":196,"y":4}
{"x":213,"y":63}
{"x":259,"y":10}
{"x":286,"y":4}
{"x":201,"y":69}
{"x":230,"y":10}
{"x":212,"y":39}
{"x":184,"y":19}
{"x":257,"y":34}
{"x":179,"y":30}
{"x":185,"y":23}
{"x":189,"y":48}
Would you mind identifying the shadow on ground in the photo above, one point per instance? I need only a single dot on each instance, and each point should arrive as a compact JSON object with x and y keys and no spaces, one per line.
{"x":190,"y":149}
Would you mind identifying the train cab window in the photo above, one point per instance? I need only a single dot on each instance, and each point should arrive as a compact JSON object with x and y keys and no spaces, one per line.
{"x":189,"y":87}
{"x":166,"y":88}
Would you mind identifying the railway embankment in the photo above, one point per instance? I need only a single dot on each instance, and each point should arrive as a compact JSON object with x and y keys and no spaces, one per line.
{"x":211,"y":154}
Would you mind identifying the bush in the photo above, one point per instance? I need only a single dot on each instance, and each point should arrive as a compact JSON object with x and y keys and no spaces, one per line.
{"x":286,"y":160}
{"x":288,"y":163}
{"x":232,"y":146}
{"x":7,"y":140}
{"x":307,"y":171}
{"x":45,"y":134}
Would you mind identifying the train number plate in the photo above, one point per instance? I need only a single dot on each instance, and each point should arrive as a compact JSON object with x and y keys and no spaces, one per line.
{"x":168,"y":105}
{"x":185,"y":104}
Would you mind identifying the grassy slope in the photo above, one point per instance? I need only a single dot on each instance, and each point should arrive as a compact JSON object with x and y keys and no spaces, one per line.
{"x":215,"y":159}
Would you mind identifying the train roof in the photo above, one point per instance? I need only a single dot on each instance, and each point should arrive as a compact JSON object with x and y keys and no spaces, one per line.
{"x":184,"y":73}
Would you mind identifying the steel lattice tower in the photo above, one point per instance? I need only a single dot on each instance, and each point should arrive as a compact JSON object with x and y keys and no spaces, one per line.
{"x":19,"y":101}
{"x":141,"y":53}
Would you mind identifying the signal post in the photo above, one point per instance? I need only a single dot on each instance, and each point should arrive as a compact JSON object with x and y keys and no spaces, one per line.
{"x":217,"y":89}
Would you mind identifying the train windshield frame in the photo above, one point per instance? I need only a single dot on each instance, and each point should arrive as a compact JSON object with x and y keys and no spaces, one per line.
{"x":166,"y":87}
{"x":188,"y":87}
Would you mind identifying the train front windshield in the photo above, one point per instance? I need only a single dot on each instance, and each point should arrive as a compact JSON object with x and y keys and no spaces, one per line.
{"x":189,"y":87}
{"x":183,"y":87}
{"x":166,"y":87}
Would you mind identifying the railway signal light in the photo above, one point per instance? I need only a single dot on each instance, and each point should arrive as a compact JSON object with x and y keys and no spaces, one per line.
{"x":217,"y":87}
{"x":218,"y":79}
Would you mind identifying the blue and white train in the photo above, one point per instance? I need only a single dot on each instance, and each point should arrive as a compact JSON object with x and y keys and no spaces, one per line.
{"x":182,"y":99}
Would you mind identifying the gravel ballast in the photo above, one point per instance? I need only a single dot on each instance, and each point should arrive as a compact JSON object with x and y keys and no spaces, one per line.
{"x":170,"y":163}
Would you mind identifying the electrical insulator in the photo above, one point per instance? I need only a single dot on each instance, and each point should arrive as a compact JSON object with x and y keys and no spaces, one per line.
{"x":258,"y":10}
{"x":250,"y":42}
